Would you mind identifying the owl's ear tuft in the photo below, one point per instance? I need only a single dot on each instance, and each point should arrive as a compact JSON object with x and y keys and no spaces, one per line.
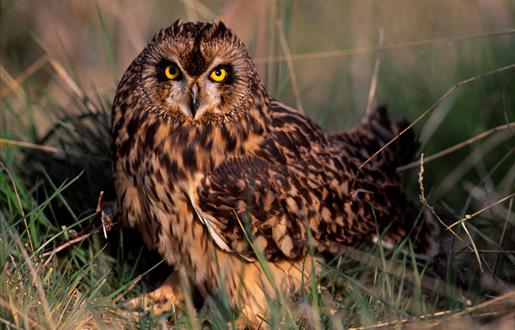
{"x":173,"y":29}
{"x":220,"y":30}
{"x":170,"y":30}
{"x":175,"y":26}
{"x":221,"y":25}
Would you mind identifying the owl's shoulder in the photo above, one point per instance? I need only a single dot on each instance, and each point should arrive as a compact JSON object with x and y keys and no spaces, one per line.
{"x":285,"y":117}
{"x":293,"y":131}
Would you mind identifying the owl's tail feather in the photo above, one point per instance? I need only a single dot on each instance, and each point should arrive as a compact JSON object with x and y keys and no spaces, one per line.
{"x":416,"y":233}
{"x":412,"y":223}
{"x":416,"y":227}
{"x":396,"y":216}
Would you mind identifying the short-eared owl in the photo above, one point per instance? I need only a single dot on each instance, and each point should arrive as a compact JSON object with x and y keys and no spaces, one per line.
{"x":212,"y":171}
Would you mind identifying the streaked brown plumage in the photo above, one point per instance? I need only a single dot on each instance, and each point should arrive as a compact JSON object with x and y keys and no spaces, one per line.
{"x":196,"y":160}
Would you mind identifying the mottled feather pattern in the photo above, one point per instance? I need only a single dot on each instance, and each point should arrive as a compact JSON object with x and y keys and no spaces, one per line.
{"x":191,"y":179}
{"x":307,"y":189}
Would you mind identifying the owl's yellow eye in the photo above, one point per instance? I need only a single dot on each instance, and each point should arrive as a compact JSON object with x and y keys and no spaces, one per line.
{"x":218,"y":75}
{"x":172,"y":72}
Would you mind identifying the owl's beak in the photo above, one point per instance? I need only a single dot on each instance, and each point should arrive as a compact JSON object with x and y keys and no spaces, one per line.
{"x":193,"y":100}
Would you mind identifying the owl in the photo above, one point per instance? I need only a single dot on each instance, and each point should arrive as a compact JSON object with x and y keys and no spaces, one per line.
{"x":223,"y":180}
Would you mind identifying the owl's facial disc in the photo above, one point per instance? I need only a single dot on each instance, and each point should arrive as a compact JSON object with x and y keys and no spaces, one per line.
{"x":198,"y":71}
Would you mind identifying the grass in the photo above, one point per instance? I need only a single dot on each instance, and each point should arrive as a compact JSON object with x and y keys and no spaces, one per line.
{"x":55,"y":95}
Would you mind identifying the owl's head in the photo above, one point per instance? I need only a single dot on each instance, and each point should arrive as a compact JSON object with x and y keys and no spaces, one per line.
{"x":196,"y":71}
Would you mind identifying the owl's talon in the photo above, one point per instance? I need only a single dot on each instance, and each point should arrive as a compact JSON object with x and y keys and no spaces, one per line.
{"x":166,"y":298}
{"x":146,"y":304}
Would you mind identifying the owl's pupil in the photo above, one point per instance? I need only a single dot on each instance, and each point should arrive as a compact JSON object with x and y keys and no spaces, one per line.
{"x":218,"y":72}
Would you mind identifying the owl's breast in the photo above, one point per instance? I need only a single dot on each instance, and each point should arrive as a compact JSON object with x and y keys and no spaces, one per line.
{"x":157,"y":163}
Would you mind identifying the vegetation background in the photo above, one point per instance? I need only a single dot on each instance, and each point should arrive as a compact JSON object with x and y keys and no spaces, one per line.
{"x":60,"y":62}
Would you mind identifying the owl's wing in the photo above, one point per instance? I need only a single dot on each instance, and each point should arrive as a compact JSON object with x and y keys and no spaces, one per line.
{"x":249,"y":200}
{"x":272,"y":206}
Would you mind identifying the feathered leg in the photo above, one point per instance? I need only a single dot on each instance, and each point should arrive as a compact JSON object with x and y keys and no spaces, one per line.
{"x":251,"y":285}
{"x":167,"y":297}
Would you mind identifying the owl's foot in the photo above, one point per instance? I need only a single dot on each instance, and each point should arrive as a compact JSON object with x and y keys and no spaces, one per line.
{"x":168,"y":297}
{"x":289,"y":276}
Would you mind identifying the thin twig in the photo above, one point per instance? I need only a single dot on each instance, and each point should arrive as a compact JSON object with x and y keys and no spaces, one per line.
{"x":289,"y":63}
{"x":8,"y":79}
{"x":474,"y":247}
{"x":422,"y":321}
{"x":470,"y":216}
{"x":445,"y":315}
{"x":72,"y":85}
{"x":424,"y":200}
{"x":488,"y":251}
{"x":375,"y":73}
{"x":479,"y":194}
{"x":361,"y":50}
{"x":509,"y":296}
{"x":106,"y":225}
{"x":68,"y":244}
{"x":99,"y":210}
{"x":15,"y":84}
{"x":28,"y":145}
{"x":433,"y":106}
{"x":458,"y":146}
{"x":405,"y":320}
